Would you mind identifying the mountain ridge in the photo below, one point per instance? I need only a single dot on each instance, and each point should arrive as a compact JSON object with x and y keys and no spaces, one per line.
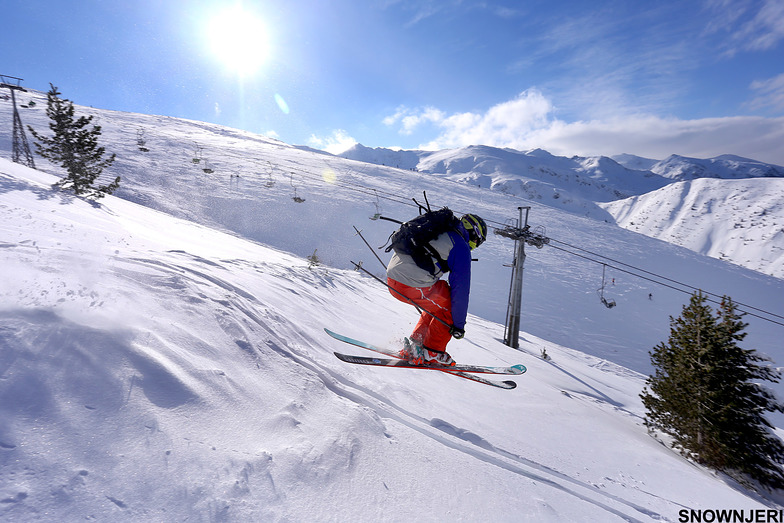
{"x":595,"y":185}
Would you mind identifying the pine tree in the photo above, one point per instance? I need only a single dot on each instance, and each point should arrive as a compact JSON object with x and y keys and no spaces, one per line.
{"x":745,"y":433}
{"x":705,"y":395}
{"x":74,"y":147}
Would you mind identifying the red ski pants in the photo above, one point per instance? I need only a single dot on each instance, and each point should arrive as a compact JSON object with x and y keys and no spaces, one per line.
{"x":435,"y":299}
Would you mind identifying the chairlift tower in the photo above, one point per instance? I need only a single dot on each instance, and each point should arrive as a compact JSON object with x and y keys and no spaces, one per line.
{"x":21,"y":148}
{"x":521,"y":236}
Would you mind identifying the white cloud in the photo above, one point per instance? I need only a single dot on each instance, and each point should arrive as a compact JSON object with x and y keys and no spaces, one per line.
{"x":335,"y":143}
{"x":655,"y":137}
{"x":766,"y":29}
{"x":502,"y":123}
{"x":505,"y":122}
{"x":770,"y":93}
{"x":411,"y":119}
{"x":751,"y":26}
{"x":528,"y":122}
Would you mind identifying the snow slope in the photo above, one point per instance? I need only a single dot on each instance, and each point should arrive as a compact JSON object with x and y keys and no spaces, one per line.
{"x":736,"y":220}
{"x":154,"y":369}
{"x":251,"y":193}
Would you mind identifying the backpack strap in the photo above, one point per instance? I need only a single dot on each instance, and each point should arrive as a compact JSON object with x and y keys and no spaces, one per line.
{"x":442,"y":264}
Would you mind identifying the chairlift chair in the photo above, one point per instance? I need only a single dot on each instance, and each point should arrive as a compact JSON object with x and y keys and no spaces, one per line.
{"x":270,"y":181}
{"x":607,"y":303}
{"x":140,"y":141}
{"x":377,"y":215}
{"x":295,"y":197}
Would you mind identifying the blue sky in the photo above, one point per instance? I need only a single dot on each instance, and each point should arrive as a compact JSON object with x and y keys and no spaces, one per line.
{"x":698,"y":78}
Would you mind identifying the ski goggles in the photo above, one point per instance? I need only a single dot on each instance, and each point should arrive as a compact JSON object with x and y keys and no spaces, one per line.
{"x":477,"y":231}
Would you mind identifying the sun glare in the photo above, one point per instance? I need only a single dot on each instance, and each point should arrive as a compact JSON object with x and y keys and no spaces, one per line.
{"x":238,"y":40}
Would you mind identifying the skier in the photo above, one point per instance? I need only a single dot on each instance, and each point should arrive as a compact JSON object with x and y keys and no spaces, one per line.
{"x":448,"y":302}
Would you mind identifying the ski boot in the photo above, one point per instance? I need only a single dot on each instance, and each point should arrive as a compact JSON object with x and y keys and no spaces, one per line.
{"x":437,"y":358}
{"x":412,"y":352}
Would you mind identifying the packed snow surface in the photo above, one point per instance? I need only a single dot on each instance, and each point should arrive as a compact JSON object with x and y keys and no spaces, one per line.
{"x":167,"y":361}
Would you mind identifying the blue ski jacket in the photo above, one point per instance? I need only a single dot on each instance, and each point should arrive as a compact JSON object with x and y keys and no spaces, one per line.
{"x":459,"y":261}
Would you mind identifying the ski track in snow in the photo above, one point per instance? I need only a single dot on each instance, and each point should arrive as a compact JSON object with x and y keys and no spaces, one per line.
{"x":456,"y":438}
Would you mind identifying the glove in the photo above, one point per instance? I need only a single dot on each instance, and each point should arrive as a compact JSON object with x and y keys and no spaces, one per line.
{"x":457,"y":333}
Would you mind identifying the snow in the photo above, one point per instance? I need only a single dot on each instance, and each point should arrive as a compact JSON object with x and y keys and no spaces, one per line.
{"x":738,"y":220}
{"x":162,"y":354}
{"x":597,"y":186}
{"x":725,"y":166}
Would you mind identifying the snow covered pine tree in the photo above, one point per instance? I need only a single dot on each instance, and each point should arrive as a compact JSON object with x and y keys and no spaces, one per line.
{"x":705,"y":394}
{"x":74,"y":147}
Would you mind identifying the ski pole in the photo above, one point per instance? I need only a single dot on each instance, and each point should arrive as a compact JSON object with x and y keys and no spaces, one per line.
{"x":359,"y":233}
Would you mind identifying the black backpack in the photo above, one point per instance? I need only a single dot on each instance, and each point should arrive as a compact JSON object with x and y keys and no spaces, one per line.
{"x":414,"y":237}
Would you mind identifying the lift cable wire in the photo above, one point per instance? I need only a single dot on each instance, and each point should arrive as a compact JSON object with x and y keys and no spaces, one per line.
{"x":693,"y":288}
{"x":741,"y":306}
{"x":589,"y":255}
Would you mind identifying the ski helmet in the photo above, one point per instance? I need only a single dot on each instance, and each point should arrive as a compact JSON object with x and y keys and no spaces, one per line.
{"x":476,"y":228}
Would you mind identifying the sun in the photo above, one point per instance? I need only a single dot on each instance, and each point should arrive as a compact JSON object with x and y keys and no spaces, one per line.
{"x":238,"y":39}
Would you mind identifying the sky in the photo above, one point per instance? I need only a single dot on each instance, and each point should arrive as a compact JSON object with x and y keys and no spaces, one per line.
{"x":699,"y":78}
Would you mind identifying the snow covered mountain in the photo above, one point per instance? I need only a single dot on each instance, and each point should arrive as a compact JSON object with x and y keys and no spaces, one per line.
{"x":573,"y":184}
{"x":726,"y":166}
{"x":736,"y":220}
{"x":595,"y":186}
{"x":172,"y":365}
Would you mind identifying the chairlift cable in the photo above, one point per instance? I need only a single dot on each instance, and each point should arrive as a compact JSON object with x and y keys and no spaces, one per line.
{"x":591,"y":256}
{"x":741,"y":306}
{"x":692,"y":287}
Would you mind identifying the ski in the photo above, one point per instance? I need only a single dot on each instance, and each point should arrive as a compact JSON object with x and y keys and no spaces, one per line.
{"x":352,"y":341}
{"x":403,"y":364}
{"x":464,"y":371}
{"x":479,"y":369}
{"x":393,"y":362}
